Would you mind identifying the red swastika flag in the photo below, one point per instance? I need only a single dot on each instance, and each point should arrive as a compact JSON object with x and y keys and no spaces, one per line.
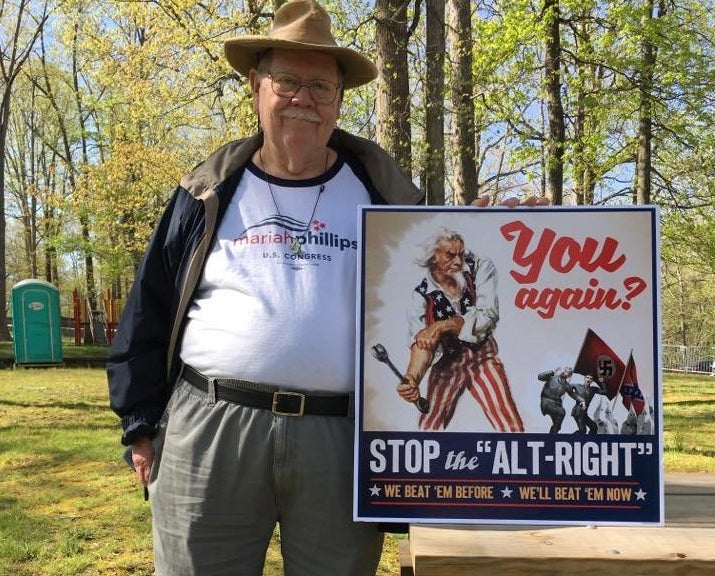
{"x":598,"y":359}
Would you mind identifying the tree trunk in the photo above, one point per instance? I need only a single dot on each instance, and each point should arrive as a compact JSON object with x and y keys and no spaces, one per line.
{"x":644,"y":158}
{"x":4,"y":118}
{"x":466,"y":186}
{"x":557,"y":132}
{"x":588,"y":82}
{"x":434,"y":104}
{"x":393,"y":128}
{"x":84,"y":222}
{"x":14,"y":54}
{"x":34,"y":268}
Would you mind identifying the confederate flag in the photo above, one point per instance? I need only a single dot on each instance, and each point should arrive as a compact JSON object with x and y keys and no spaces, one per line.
{"x":630,"y":391}
{"x":598,"y":359}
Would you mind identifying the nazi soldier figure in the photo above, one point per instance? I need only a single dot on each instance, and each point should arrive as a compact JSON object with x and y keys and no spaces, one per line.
{"x":556,"y":385}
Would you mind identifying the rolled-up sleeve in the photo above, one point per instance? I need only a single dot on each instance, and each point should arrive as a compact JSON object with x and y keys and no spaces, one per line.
{"x":482,"y":318}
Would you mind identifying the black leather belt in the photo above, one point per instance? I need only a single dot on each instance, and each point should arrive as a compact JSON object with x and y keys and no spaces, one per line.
{"x":281,"y":402}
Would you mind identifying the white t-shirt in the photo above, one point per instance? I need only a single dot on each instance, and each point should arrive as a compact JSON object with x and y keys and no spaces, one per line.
{"x":266,"y":314}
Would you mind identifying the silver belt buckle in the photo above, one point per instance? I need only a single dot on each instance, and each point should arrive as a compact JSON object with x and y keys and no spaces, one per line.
{"x":276,"y":396}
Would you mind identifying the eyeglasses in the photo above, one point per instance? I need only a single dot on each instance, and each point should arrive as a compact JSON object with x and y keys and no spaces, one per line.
{"x":287,"y":85}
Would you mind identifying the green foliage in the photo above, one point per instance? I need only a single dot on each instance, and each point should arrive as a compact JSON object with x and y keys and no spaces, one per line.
{"x":354,"y":27}
{"x":119,"y":99}
{"x":124,"y":197}
{"x":688,"y":276}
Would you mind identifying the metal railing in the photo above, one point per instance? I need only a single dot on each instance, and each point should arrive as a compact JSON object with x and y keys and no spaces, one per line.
{"x":699,"y":359}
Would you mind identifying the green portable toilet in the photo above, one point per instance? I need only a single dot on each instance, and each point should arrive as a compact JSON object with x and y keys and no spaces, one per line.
{"x":36,"y":326}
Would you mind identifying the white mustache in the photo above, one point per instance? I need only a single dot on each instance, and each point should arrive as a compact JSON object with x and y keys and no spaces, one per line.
{"x":297,"y":114}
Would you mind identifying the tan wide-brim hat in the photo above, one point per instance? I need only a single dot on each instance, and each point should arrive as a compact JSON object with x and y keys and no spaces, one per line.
{"x":300,"y":25}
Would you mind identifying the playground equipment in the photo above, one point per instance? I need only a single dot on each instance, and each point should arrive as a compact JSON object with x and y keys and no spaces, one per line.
{"x":102,"y":323}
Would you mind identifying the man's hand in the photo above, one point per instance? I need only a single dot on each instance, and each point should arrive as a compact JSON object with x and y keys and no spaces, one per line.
{"x":408,"y":389}
{"x":513,"y":202}
{"x":143,"y":457}
{"x":428,"y":338}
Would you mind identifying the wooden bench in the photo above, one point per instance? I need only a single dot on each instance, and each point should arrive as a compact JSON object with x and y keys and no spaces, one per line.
{"x":684,"y":546}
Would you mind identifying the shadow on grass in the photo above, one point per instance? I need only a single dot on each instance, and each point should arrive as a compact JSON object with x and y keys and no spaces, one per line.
{"x":690,"y":423}
{"x":63,"y":405}
{"x":691,"y":403}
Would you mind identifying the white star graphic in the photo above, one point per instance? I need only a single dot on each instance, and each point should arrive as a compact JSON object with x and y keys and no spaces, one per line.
{"x":375,"y":490}
{"x":506,"y":492}
{"x":640,"y":495}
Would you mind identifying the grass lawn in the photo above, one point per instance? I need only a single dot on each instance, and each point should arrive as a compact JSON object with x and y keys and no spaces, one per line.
{"x":70,"y":506}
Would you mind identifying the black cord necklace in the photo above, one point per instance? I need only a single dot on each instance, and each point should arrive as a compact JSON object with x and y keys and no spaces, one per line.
{"x":296,"y":246}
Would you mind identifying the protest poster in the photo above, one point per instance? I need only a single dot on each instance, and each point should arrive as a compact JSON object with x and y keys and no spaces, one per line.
{"x":533,"y":338}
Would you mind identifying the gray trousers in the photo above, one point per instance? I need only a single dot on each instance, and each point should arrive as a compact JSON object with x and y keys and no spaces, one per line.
{"x":225,"y":474}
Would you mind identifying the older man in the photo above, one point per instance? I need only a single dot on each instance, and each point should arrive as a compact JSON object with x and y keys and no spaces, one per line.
{"x":454,"y":313}
{"x":232,"y":369}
